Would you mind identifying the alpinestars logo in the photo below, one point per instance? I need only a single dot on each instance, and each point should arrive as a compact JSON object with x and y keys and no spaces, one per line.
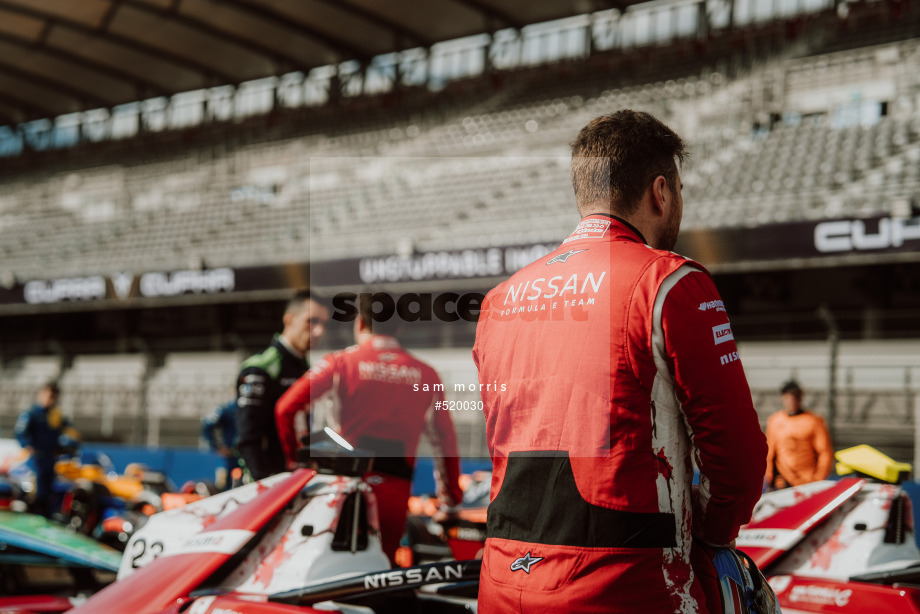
{"x":525,"y":562}
{"x":565,"y":256}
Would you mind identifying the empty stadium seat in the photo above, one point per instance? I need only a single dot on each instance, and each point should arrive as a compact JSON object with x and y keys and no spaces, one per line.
{"x":191,"y":384}
{"x":330,"y":194}
{"x":105,"y":385}
{"x":21,"y":379}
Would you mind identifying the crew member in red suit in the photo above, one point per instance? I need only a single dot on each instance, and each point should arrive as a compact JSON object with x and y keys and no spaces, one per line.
{"x":380,"y":398}
{"x":620,"y":373}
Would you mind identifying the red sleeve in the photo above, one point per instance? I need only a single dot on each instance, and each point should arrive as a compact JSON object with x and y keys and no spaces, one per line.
{"x":439,"y":429}
{"x":730,"y":449}
{"x":313,"y":384}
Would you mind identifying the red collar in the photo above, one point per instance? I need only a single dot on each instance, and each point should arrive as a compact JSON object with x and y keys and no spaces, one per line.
{"x":605,"y":226}
{"x":382,"y":342}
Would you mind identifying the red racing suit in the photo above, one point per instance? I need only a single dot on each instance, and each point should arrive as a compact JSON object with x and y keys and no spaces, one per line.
{"x":607,"y":369}
{"x":379,"y":398}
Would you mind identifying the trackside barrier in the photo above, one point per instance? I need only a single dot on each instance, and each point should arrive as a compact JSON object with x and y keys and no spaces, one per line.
{"x":184,"y":464}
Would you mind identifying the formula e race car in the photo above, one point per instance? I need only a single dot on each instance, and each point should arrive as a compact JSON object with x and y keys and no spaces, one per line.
{"x":840,"y":546}
{"x":88,"y":495}
{"x":38,"y":556}
{"x":286,"y":544}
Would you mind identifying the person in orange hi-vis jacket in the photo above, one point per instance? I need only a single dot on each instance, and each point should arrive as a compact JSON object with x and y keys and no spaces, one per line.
{"x":799,"y":447}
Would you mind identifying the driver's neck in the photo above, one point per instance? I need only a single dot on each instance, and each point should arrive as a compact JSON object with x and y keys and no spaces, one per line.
{"x":290,"y":347}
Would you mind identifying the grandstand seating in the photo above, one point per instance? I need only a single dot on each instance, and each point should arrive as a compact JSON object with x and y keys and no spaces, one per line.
{"x":121,"y":397}
{"x":861,"y":365}
{"x":438,"y":177}
{"x":191,"y":384}
{"x":118,"y":397}
{"x":808,"y":172}
{"x":489,"y":168}
{"x":105,"y":394}
{"x":877,"y":384}
{"x":20,"y":381}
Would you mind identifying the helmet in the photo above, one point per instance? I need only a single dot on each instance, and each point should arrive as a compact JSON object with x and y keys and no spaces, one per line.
{"x":742,"y":587}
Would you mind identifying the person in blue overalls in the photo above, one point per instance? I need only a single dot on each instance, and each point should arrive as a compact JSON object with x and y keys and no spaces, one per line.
{"x":44,"y":432}
{"x":218,"y":428}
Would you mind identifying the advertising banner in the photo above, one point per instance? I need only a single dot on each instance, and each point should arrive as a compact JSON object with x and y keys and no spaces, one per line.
{"x":711,"y":247}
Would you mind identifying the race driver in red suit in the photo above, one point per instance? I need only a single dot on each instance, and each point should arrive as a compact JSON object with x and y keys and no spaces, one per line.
{"x":620,"y":372}
{"x":380,"y":398}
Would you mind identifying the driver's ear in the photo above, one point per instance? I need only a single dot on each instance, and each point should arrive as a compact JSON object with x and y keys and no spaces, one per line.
{"x":660,"y":194}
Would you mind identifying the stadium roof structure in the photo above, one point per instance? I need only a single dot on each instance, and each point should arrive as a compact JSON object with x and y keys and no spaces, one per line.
{"x":65,"y":56}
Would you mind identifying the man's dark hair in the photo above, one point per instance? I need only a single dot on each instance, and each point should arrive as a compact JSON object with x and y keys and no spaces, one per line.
{"x":616,"y":156}
{"x":387,"y":326}
{"x":791,"y":386}
{"x":301,"y":296}
{"x":53,"y":387}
